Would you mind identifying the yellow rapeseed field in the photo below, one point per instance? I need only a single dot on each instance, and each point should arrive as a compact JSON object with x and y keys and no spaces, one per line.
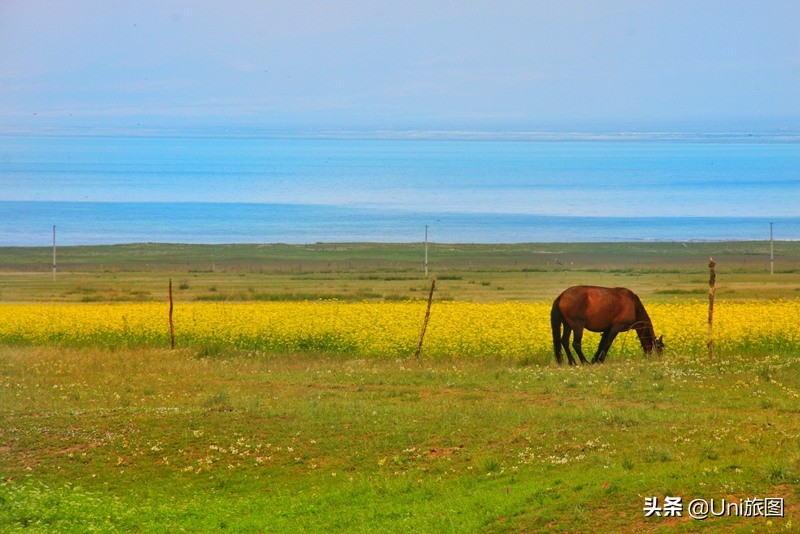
{"x":391,"y":329}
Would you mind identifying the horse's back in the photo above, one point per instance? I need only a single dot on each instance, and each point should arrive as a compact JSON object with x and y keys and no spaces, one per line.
{"x":597,"y":292}
{"x":597,"y":307}
{"x":585,"y":294}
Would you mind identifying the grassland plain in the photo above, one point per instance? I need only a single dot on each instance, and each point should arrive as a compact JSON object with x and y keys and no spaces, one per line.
{"x":367,"y":271}
{"x":107,"y":435}
{"x":158,"y":440}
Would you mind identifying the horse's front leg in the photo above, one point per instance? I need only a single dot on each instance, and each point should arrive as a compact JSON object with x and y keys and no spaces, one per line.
{"x":611,"y":336}
{"x":599,"y":356}
{"x":605,"y":343}
{"x":576,"y":344}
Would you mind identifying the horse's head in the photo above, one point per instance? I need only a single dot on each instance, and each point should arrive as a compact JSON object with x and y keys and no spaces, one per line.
{"x":658,"y":345}
{"x":653,"y":344}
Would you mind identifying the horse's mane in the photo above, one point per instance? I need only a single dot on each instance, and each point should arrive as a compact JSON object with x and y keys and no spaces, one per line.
{"x":641,"y":313}
{"x":643,"y":324}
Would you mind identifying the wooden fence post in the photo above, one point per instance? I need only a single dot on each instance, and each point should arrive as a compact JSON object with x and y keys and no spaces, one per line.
{"x":425,"y":323}
{"x":171,"y":327}
{"x":712,"y":280}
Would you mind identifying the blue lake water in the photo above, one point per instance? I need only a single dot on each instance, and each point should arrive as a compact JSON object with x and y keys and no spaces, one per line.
{"x":102,"y":190}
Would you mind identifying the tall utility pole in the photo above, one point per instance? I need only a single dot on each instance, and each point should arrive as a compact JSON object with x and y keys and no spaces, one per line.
{"x":54,"y":252}
{"x":771,"y":252}
{"x":712,"y":287}
{"x":426,"y":250}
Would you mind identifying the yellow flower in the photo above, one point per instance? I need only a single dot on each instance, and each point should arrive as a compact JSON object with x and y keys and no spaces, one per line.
{"x":392,"y":329}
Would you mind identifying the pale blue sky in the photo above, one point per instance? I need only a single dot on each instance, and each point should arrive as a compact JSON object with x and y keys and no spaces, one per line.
{"x":540,"y":65}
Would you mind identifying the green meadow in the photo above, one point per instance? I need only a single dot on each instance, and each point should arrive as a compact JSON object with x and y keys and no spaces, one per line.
{"x":210,"y":438}
{"x":370,"y":271}
{"x":158,"y":440}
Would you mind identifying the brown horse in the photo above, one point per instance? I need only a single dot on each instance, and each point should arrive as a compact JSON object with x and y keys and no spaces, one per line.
{"x":600,"y":309}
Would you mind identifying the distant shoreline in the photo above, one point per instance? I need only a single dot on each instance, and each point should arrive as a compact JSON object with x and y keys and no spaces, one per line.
{"x":30,"y":223}
{"x":379,"y":244}
{"x":422,"y":135}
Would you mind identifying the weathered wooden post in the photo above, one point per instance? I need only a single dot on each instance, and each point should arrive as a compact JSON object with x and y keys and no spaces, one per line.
{"x":712,"y":280}
{"x":171,"y":326}
{"x":425,"y":322}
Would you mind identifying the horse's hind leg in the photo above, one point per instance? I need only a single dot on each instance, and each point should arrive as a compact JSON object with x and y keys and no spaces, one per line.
{"x":576,"y":344}
{"x":557,"y":346}
{"x":565,"y":343}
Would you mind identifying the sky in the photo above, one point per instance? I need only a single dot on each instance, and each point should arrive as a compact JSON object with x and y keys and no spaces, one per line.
{"x":351,"y":65}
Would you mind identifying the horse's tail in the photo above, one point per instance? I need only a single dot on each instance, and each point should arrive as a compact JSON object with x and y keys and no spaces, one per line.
{"x":556,"y":319}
